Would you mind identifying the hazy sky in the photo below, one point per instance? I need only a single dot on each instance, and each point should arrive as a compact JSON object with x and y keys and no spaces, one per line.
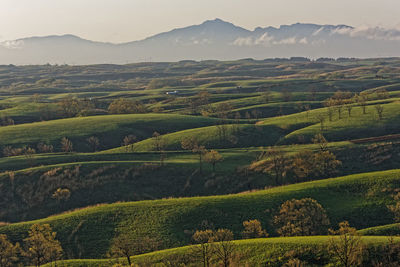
{"x":128,"y":20}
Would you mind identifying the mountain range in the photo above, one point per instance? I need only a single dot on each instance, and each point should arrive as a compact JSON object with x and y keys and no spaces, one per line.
{"x":213,"y":39}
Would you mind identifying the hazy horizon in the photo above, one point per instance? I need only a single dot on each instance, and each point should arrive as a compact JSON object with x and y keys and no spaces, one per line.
{"x":120,"y":21}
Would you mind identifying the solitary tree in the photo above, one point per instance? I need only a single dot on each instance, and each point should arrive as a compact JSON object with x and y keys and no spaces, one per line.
{"x":126,"y":246}
{"x":349,"y":108}
{"x":61,"y":194}
{"x":325,"y":163}
{"x":69,"y":106}
{"x":266,"y":96}
{"x":339,"y":110}
{"x":321,"y":120}
{"x":395,"y":209}
{"x":346,"y":246}
{"x":277,"y":162}
{"x":362,"y":101}
{"x":29,"y":153}
{"x":44,"y":148}
{"x":129,"y":140}
{"x":321,"y":141}
{"x":286,"y":95}
{"x":223,"y":110}
{"x":191,"y":143}
{"x":302,"y":164}
{"x":253,"y":229}
{"x":126,"y":106}
{"x":213,"y":157}
{"x":204,"y":249}
{"x":301,"y":218}
{"x":159,"y":145}
{"x":224,"y":247}
{"x":66,"y":145}
{"x":8,"y":252}
{"x":41,"y":244}
{"x":330,"y":113}
{"x":94,"y":143}
{"x":379,"y":111}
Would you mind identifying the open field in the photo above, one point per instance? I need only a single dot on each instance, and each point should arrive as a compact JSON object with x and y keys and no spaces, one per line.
{"x":109,"y":129}
{"x":356,"y":198}
{"x":254,"y":115}
{"x":253,"y":252}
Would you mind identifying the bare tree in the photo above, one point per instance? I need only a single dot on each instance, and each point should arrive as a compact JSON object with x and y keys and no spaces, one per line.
{"x":349,"y":108}
{"x":346,"y":245}
{"x":213,"y":157}
{"x":224,"y":247}
{"x":191,"y":143}
{"x":204,"y":249}
{"x":277,"y":162}
{"x":159,"y":145}
{"x":321,"y":120}
{"x":126,"y":246}
{"x":266,"y":96}
{"x":66,"y":145}
{"x":93,"y":142}
{"x":379,"y":111}
{"x":362,"y":101}
{"x":330,"y":113}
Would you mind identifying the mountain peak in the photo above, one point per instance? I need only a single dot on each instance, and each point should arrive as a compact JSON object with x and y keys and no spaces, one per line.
{"x":216,"y":20}
{"x":212,"y":39}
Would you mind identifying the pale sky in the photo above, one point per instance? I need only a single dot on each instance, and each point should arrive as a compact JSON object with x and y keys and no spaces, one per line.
{"x":129,"y":20}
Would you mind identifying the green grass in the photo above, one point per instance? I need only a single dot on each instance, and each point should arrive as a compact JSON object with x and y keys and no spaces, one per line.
{"x":114,"y":177}
{"x":389,"y":229}
{"x":131,"y":176}
{"x":110,"y":129}
{"x":244,"y":135}
{"x":253,"y":252}
{"x":289,"y":129}
{"x":356,"y":198}
{"x":304,"y":125}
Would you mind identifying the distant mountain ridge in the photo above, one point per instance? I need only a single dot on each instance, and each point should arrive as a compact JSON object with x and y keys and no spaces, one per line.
{"x":213,"y":39}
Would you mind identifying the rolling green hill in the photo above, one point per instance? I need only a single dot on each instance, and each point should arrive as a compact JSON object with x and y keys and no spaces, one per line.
{"x":131,"y":176}
{"x":88,"y":232}
{"x":301,"y":127}
{"x":163,"y":194}
{"x":221,"y":136}
{"x":250,"y":252}
{"x":290,"y":129}
{"x":110,"y":129}
{"x":389,"y":229}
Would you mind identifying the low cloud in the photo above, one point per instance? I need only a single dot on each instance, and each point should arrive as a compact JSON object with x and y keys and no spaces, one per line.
{"x":371,"y":33}
{"x":268,"y":40}
{"x":12,"y":44}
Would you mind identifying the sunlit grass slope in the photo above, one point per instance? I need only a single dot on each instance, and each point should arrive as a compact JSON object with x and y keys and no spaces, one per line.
{"x":110,"y":129}
{"x":88,"y":232}
{"x":253,"y":252}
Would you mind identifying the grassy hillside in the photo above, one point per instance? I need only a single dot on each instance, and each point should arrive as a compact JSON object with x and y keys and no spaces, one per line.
{"x":389,"y":229}
{"x":110,"y":129}
{"x":253,"y":252}
{"x":138,"y":176}
{"x":290,"y":129}
{"x":303,"y":126}
{"x":88,"y":232}
{"x":280,"y":103}
{"x":222,"y":136}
